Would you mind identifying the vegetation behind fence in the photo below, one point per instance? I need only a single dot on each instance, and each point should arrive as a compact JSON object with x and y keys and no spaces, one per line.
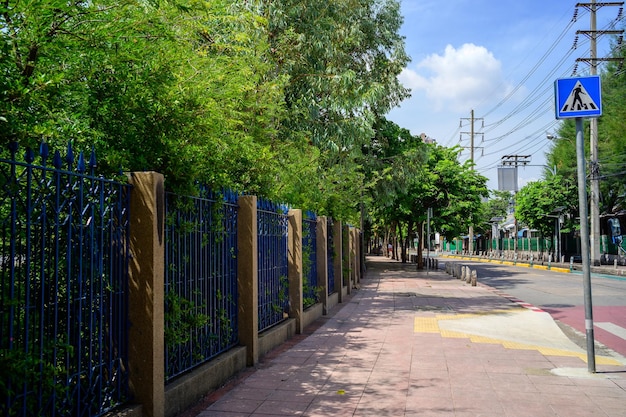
{"x":63,"y":278}
{"x":200,"y":279}
{"x":272,"y":226}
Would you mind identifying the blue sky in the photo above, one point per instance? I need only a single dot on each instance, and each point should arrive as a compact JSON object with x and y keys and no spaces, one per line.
{"x":499,"y":58}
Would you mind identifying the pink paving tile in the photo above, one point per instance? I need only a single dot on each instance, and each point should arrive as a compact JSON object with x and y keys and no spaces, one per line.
{"x":417,"y":396}
{"x":235,"y":405}
{"x":214,"y":413}
{"x":325,"y":407}
{"x":292,"y":396}
{"x":247,"y":393}
{"x":578,"y":411}
{"x":282,"y":408}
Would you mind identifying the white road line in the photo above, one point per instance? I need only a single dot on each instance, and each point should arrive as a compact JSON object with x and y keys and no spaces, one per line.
{"x":613,"y":328}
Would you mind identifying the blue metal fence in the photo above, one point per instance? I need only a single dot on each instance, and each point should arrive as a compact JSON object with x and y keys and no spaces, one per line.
{"x":272,"y":226}
{"x":310,"y":288}
{"x":330,"y":257}
{"x":63,"y":281}
{"x":200,"y":279}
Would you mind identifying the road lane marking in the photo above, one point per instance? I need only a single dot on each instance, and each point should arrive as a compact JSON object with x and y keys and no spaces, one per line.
{"x":613,"y":328}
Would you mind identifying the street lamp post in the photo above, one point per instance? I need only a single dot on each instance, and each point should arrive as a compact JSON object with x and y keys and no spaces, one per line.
{"x":494,"y":223}
{"x":557,"y":229}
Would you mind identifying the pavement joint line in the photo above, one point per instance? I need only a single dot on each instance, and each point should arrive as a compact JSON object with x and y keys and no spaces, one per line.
{"x":431,"y":325}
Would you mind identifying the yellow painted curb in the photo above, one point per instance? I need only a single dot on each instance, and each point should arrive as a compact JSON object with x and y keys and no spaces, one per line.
{"x":510,"y":263}
{"x":431,"y":325}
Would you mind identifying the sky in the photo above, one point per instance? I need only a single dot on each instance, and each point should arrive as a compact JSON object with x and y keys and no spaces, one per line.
{"x":500,"y":59}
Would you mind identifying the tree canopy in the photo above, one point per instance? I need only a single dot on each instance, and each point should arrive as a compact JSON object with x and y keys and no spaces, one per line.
{"x":274,"y":98}
{"x":284,"y":99}
{"x":406,"y":177}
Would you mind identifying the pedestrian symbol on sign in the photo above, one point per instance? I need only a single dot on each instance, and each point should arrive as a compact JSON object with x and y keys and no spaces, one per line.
{"x":578,"y":100}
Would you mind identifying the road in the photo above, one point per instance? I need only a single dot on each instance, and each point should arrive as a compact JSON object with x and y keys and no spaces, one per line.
{"x":562,"y":295}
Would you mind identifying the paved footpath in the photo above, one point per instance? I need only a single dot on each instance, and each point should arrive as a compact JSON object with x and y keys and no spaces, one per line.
{"x":411,"y":343}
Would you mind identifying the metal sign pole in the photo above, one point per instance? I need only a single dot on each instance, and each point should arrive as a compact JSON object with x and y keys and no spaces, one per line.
{"x":584,"y":243}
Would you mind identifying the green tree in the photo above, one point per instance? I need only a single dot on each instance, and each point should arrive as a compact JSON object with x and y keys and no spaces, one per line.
{"x":407,"y":176}
{"x":342,"y":59}
{"x":496,"y":206}
{"x":539,"y":199}
{"x":186,"y":91}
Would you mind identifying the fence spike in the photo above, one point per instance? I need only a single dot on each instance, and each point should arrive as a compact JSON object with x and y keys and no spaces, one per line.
{"x":56,"y":160}
{"x":13,"y":147}
{"x":81,"y":162}
{"x":29,"y":155}
{"x":92,"y":158}
{"x":44,"y":152}
{"x":69,"y":157}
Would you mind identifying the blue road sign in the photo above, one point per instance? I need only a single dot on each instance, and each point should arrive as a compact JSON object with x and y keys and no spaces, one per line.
{"x":578,"y":97}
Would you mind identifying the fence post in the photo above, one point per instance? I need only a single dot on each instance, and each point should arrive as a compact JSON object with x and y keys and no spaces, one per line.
{"x":355,"y":256}
{"x":346,"y":246}
{"x":146,"y":351}
{"x":338,"y":259}
{"x":248,"y":277}
{"x":294,"y":260}
{"x":321,"y":233}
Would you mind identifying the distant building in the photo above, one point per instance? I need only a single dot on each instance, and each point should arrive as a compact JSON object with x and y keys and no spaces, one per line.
{"x":427,"y":139}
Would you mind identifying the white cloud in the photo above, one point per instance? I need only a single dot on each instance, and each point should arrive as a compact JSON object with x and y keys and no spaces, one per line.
{"x":459,"y":79}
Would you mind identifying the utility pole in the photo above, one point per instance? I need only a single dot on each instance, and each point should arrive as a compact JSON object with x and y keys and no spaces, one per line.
{"x":515,"y":161}
{"x":594,"y":167}
{"x":471,"y":133}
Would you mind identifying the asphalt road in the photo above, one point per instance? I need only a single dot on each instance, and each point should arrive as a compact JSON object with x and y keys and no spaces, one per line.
{"x":562,"y":295}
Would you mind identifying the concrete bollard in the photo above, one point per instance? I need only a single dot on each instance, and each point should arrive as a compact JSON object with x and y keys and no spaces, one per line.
{"x":474,"y":278}
{"x":615,"y":263}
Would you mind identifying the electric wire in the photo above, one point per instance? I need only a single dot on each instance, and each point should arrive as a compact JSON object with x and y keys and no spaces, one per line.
{"x":563,"y":33}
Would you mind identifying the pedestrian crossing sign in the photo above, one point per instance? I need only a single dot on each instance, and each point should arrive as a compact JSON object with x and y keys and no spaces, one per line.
{"x":578,"y":97}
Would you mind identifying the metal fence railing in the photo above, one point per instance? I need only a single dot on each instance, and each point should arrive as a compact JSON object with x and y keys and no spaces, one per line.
{"x":63,"y":286}
{"x":310,"y":287}
{"x":272,"y":226}
{"x":200,"y":279}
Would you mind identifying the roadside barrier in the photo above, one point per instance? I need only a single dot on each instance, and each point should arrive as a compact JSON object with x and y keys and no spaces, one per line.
{"x":462,"y":272}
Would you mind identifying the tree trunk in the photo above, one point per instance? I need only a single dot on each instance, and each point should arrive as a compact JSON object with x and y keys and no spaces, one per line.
{"x":402,"y":244}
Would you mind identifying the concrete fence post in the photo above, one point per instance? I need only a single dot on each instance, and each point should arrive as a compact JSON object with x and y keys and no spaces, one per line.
{"x":294,"y":259}
{"x":146,"y":292}
{"x":321,"y":249}
{"x":347,"y":264}
{"x":354,"y":266}
{"x":338,"y":259}
{"x":248,"y":277}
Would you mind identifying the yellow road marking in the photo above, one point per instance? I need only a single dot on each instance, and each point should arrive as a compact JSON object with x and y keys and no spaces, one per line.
{"x":431,"y":325}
